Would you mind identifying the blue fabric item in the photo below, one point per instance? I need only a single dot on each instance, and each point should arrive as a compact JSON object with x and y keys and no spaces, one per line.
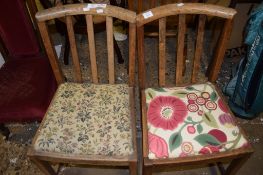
{"x":254,"y":22}
{"x":245,"y":89}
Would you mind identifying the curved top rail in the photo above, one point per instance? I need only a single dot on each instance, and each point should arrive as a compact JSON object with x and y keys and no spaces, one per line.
{"x":79,"y":9}
{"x":185,"y":8}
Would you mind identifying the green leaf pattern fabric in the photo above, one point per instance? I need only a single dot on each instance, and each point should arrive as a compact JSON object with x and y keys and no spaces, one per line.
{"x":191,"y":120}
{"x":87,"y":119}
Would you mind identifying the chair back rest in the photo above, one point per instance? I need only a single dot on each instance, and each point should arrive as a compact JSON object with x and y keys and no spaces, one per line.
{"x":148,"y":4}
{"x":16,"y":29}
{"x":89,"y":10}
{"x":181,"y":10}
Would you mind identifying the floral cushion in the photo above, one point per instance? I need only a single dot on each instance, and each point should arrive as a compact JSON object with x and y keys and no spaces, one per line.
{"x":87,"y":119}
{"x":187,"y":121}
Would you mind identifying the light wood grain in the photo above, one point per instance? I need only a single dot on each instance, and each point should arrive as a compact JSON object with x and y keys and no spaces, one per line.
{"x":198,"y":47}
{"x":132,"y":53}
{"x":77,"y":9}
{"x":144,"y":124}
{"x":141,"y":61}
{"x":180,"y":49}
{"x":73,"y":49}
{"x":162,"y":56}
{"x":81,"y":159}
{"x":52,"y":56}
{"x":111,"y":66}
{"x":92,"y":51}
{"x":187,"y":8}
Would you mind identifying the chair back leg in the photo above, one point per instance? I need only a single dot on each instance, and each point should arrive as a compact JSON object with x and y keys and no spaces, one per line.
{"x":43,"y":166}
{"x":236,"y":164}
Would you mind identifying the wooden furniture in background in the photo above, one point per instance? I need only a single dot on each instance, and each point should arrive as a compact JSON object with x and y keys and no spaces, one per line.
{"x":88,"y":124}
{"x":182,"y":124}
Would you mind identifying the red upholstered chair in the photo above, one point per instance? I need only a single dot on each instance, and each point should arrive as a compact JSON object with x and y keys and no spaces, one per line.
{"x":26,"y":79}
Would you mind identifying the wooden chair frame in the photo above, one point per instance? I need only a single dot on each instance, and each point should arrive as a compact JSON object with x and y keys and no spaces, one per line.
{"x":42,"y":160}
{"x":236,"y":157}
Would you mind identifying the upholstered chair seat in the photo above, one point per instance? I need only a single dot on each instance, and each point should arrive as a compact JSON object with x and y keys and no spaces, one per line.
{"x":188,"y":121}
{"x":87,"y":119}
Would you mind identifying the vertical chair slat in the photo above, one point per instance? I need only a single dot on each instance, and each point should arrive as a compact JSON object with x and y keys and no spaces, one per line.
{"x":140,"y":6}
{"x":152,"y":3}
{"x":198,"y":47}
{"x":109,"y":26}
{"x":162,"y":59}
{"x":92,"y":52}
{"x":180,"y":49}
{"x":132,"y":51}
{"x":131,"y":5}
{"x":141,"y":62}
{"x":73,"y":49}
{"x":214,"y":68}
{"x":52,"y":56}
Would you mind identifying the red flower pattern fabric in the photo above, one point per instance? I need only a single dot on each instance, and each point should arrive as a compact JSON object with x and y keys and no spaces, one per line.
{"x":209,"y":150}
{"x":222,"y":106}
{"x":166,"y":112}
{"x":187,"y":121}
{"x":157,"y":146}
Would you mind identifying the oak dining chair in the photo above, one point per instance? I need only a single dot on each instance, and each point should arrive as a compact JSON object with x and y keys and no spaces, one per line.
{"x":184,"y":123}
{"x":88,"y":123}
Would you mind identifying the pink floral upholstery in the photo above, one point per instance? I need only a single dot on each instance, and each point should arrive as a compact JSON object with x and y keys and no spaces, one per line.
{"x":187,"y":121}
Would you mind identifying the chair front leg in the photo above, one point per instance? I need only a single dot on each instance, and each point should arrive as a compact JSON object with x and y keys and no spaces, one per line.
{"x":236,"y":164}
{"x":44,"y":166}
{"x":147,"y":168}
{"x":133,"y":168}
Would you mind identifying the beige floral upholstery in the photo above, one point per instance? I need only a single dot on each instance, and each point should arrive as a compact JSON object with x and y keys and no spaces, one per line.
{"x":87,"y":119}
{"x":187,"y":121}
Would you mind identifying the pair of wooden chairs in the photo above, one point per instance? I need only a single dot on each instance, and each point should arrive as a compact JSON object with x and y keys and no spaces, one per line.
{"x":94,"y":123}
